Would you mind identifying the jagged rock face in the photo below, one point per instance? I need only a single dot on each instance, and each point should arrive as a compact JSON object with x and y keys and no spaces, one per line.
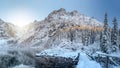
{"x":72,"y":17}
{"x":58,"y":27}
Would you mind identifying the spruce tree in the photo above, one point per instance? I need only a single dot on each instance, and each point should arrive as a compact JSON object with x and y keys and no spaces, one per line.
{"x":114,"y":36}
{"x":105,"y":38}
{"x":101,"y":39}
{"x":105,"y":23}
{"x":119,"y":40}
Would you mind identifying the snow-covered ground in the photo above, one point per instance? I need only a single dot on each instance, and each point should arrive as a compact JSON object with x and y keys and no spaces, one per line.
{"x":85,"y":62}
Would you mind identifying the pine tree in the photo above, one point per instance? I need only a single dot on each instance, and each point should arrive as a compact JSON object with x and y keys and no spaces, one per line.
{"x":105,"y":38}
{"x":71,"y":34}
{"x":104,"y":46}
{"x":105,"y":23}
{"x":86,"y":37}
{"x":114,"y":36}
{"x":119,"y":40}
{"x":119,"y":32}
{"x":101,"y":38}
{"x":83,"y":37}
{"x":92,"y":37}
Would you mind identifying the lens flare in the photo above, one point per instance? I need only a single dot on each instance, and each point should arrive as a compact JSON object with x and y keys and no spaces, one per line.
{"x":21,"y":17}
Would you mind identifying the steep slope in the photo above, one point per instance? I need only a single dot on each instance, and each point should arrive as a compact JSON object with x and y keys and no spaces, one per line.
{"x":57,"y":29}
{"x":7,"y":33}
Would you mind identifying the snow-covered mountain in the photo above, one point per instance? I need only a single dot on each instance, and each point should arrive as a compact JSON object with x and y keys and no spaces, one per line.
{"x":55,"y":29}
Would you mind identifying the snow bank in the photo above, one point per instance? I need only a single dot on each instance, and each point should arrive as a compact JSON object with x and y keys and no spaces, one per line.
{"x":22,"y":66}
{"x":84,"y":62}
{"x":110,"y":55}
{"x":59,"y":52}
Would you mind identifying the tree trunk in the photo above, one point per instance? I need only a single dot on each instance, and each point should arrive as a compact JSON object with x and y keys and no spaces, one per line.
{"x":107,"y":62}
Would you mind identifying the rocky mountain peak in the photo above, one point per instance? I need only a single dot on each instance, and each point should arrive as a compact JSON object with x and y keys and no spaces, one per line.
{"x":73,"y":17}
{"x":74,"y":13}
{"x":59,"y":12}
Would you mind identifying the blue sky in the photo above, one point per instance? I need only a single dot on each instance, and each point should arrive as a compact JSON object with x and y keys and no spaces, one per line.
{"x":41,"y":8}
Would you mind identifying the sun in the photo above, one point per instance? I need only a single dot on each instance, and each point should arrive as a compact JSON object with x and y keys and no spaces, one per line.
{"x":21,"y":17}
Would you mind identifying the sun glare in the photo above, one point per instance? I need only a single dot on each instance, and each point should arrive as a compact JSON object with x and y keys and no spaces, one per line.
{"x":21,"y":17}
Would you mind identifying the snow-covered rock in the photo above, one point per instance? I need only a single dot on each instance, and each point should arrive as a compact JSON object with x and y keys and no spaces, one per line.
{"x":84,"y":60}
{"x":59,"y":52}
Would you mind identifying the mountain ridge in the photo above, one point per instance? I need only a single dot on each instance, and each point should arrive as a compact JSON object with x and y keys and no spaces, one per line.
{"x":56,"y":24}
